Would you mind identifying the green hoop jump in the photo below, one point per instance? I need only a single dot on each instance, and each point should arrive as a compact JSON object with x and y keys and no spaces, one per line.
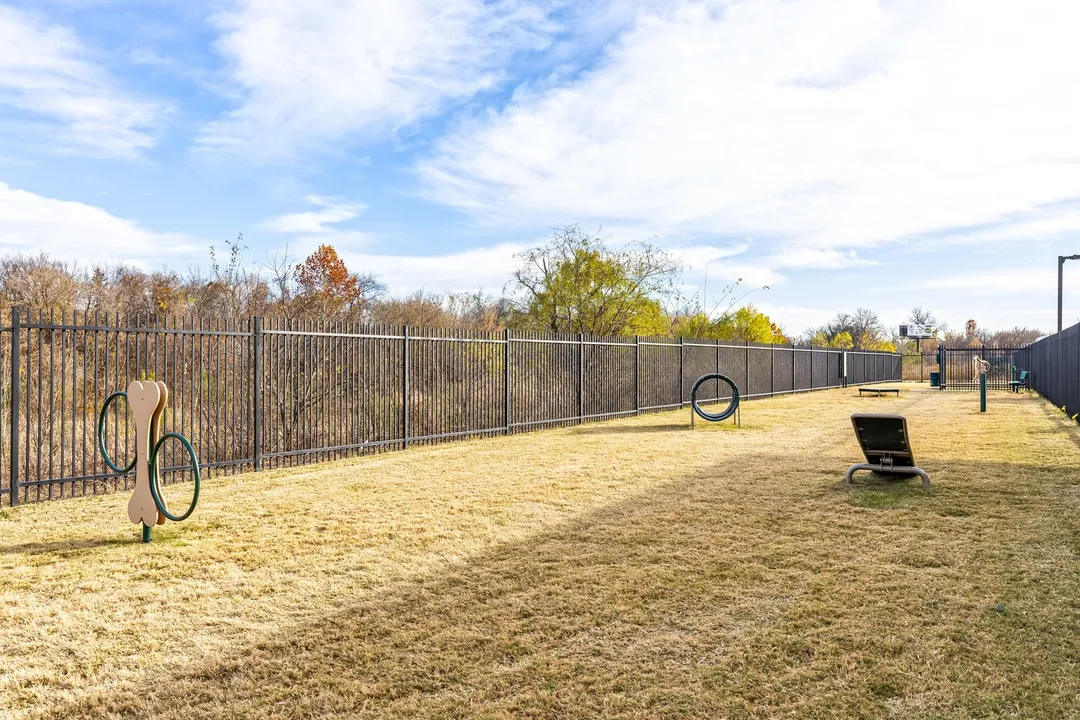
{"x":155,"y":491}
{"x":726,"y":412}
{"x":101,"y":435}
{"x":155,"y":487}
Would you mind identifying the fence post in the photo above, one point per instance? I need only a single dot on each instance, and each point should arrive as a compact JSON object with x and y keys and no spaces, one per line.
{"x":943,"y":360}
{"x":637,"y":374}
{"x":793,"y":368}
{"x":405,"y":387}
{"x":256,"y":391}
{"x":581,"y":377}
{"x":16,"y":321}
{"x":682,"y":369}
{"x":772,"y":369}
{"x":747,"y":375}
{"x":506,"y":380}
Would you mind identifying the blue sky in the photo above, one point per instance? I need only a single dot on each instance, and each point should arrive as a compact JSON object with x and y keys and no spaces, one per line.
{"x":842,"y":152}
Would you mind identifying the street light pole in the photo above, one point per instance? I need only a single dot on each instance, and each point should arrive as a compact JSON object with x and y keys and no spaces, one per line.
{"x":1061,"y":266}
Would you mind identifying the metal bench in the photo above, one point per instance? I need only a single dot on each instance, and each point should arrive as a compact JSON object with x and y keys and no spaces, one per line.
{"x":880,"y":391}
{"x":1021,"y":382}
{"x":884,"y":441}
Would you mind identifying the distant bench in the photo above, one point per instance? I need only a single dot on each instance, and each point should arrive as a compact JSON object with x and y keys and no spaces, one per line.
{"x":1021,"y":382}
{"x":879,"y":391}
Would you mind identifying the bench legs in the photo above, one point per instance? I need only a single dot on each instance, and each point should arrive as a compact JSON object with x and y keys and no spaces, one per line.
{"x":894,"y":471}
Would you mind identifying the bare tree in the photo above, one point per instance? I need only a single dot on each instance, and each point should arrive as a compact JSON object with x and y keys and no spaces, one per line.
{"x":416,"y":309}
{"x":280,"y":267}
{"x":37,"y":281}
{"x":921,"y":316}
{"x":1014,"y":338}
{"x":478,"y":310}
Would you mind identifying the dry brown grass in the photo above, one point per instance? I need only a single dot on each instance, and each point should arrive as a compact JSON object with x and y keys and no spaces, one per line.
{"x":624,"y":569}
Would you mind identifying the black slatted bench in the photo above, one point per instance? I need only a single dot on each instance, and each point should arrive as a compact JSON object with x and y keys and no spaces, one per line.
{"x":879,"y":391}
{"x":884,"y":441}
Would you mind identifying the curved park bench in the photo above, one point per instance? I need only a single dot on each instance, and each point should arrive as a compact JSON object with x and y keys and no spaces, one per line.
{"x":885,"y":443}
{"x":1020,"y":382}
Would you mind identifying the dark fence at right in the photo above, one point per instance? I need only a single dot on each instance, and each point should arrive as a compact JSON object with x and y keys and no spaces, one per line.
{"x":1053,"y":364}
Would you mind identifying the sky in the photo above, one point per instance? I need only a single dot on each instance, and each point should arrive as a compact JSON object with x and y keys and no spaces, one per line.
{"x":824,"y":154}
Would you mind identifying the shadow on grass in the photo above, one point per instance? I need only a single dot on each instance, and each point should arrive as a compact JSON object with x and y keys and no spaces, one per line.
{"x":629,"y":429}
{"x":883,"y":492}
{"x":65,"y":546}
{"x":723,"y":426}
{"x":701,"y":598}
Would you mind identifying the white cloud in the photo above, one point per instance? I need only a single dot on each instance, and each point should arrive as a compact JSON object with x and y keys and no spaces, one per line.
{"x":794,"y":318}
{"x":315,"y":222}
{"x":745,"y":275}
{"x":807,"y":258}
{"x":822,"y":124}
{"x":76,"y":231}
{"x":70,"y":103}
{"x":487,"y":267}
{"x":994,"y":282}
{"x":316,"y":71}
{"x":1042,"y":224}
{"x":699,"y":257}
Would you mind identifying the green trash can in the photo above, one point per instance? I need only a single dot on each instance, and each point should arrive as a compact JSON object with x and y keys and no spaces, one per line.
{"x":935,"y":379}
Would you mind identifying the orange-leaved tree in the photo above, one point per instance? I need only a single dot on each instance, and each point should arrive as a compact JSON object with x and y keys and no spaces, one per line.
{"x":326,"y":286}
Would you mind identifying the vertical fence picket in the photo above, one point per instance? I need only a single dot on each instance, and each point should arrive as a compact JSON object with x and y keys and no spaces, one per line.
{"x":256,"y":392}
{"x":581,"y":377}
{"x":405,"y":387}
{"x":13,"y":454}
{"x":506,"y":380}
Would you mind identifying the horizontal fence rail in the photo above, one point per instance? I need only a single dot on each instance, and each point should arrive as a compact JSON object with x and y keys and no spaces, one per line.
{"x":1053,"y":365}
{"x":267,"y":393}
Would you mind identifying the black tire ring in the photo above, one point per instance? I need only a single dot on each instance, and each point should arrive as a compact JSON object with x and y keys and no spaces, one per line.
{"x":728,"y":411}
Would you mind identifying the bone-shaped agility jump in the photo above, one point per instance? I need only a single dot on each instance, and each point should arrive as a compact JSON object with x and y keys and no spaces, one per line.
{"x":147,"y":402}
{"x":978,"y":366}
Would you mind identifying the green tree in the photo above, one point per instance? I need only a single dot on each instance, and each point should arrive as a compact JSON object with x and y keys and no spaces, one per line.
{"x":745,"y":323}
{"x":577,"y":283}
{"x":750,"y":324}
{"x":842,"y":340}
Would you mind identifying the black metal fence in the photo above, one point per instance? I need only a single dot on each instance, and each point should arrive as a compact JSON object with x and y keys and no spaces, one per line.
{"x":1053,"y":366}
{"x":960,"y":370}
{"x":266,"y":393}
{"x":918,"y":366}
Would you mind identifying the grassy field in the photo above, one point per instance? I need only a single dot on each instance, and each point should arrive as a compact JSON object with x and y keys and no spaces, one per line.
{"x":623,"y":569}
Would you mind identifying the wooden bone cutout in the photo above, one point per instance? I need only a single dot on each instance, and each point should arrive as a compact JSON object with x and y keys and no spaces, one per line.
{"x":155,"y":432}
{"x":145,"y":401}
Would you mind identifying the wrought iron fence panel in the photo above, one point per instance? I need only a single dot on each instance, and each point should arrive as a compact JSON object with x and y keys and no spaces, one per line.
{"x":268,"y":393}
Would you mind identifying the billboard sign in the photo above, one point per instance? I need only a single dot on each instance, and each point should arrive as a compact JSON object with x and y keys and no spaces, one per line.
{"x":917,"y":332}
